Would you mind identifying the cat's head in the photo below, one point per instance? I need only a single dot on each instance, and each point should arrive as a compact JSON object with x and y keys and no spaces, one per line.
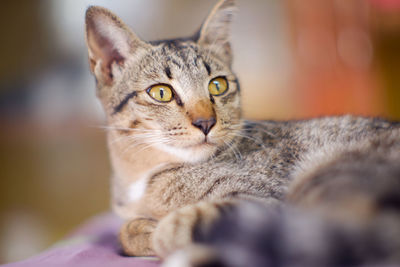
{"x":178,"y":95}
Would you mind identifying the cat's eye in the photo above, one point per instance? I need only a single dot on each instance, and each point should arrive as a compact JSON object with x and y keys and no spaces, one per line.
{"x":160,"y":92}
{"x":218,"y":86}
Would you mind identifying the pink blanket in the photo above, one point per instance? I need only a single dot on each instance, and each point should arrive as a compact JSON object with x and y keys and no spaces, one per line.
{"x":93,"y":244}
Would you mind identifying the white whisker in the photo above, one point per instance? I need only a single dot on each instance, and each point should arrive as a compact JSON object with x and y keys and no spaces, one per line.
{"x":235,"y":152}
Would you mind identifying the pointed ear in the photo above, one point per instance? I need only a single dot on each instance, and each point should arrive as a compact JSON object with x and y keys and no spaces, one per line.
{"x":110,"y":43}
{"x":215,"y":32}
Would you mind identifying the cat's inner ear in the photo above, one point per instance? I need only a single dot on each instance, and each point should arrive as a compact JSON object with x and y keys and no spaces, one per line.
{"x":110,"y":43}
{"x":215,"y":32}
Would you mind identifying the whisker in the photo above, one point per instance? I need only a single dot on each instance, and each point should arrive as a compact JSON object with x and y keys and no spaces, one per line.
{"x":114,"y":128}
{"x":235,"y":152}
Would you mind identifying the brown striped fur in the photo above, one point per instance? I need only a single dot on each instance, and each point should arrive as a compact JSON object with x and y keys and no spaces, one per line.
{"x":170,"y":179}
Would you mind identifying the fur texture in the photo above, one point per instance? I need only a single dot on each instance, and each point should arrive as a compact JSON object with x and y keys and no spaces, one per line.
{"x":172,"y":181}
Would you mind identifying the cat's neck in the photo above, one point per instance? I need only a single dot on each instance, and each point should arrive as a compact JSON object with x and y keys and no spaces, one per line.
{"x":131,"y":164}
{"x":132,"y":167}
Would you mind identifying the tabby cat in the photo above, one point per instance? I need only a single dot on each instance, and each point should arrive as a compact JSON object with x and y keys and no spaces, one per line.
{"x":184,"y":160}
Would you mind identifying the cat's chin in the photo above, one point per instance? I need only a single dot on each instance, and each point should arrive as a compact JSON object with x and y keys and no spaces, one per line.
{"x":192,"y":154}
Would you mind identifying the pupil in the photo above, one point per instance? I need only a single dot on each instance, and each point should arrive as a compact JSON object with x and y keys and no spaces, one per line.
{"x":162,"y":93}
{"x":217,"y":85}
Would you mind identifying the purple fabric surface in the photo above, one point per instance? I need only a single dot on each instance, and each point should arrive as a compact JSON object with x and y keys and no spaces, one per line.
{"x":93,"y":244}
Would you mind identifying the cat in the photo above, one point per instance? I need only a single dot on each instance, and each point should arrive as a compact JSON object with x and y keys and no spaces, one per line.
{"x":184,"y":160}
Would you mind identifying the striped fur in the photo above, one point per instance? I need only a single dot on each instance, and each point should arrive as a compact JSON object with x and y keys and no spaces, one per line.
{"x":173,"y":183}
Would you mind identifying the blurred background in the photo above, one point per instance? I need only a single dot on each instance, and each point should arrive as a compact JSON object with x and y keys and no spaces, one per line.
{"x":294,"y":58}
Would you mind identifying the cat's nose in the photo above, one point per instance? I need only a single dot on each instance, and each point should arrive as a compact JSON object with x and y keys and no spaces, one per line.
{"x":204,"y":125}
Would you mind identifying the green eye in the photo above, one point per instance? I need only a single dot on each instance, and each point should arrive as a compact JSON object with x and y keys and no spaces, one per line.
{"x":218,"y":86}
{"x":160,"y":92}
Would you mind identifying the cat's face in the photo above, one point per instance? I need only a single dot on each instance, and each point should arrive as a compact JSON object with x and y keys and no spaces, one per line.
{"x":179,"y":96}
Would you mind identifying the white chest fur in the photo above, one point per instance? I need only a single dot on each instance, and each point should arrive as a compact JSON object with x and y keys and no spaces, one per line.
{"x":137,"y":189}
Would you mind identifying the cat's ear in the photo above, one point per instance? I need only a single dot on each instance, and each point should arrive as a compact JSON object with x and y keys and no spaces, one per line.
{"x":110,"y":42}
{"x":215,"y":32}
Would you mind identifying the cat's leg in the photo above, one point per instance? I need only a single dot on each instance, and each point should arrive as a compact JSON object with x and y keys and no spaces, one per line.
{"x":180,"y":228}
{"x":135,"y":237}
{"x":147,"y":237}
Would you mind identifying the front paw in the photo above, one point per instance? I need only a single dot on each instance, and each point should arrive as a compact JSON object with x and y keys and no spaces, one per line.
{"x":175,"y":231}
{"x":136,"y":237}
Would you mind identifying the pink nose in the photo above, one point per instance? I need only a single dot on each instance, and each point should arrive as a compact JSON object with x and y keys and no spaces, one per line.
{"x":204,"y":125}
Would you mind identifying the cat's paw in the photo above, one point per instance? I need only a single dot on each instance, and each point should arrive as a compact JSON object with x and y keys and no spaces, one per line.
{"x":176,"y":230}
{"x":136,"y":237}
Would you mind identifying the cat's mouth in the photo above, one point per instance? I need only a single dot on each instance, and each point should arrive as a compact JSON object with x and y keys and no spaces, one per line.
{"x":206,"y":142}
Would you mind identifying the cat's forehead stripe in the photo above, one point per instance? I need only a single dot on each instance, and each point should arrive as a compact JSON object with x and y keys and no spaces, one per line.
{"x":168,"y":72}
{"x":208,"y":68}
{"x":184,"y":53}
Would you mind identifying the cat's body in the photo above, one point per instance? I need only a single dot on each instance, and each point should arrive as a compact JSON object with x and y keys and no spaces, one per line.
{"x":260,"y":163}
{"x":182,"y":155}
